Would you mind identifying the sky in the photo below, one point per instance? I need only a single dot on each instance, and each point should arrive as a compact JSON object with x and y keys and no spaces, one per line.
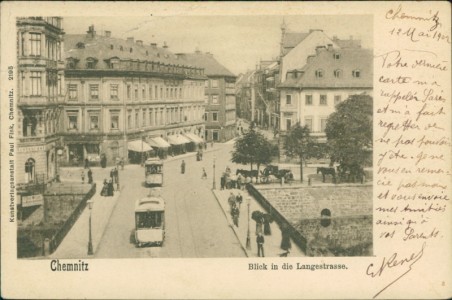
{"x":237,"y":42}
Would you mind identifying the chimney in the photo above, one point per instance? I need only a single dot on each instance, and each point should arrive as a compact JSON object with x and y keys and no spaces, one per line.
{"x":91,"y":33}
{"x":165,"y":45}
{"x":108,"y":33}
{"x":319,"y":49}
{"x":130,"y":39}
{"x":330,"y":47}
{"x":139,"y":42}
{"x":154,"y":45}
{"x":310,"y":58}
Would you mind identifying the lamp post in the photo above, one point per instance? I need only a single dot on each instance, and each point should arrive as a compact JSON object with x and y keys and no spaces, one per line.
{"x":214,"y":183}
{"x":248,"y":238}
{"x":90,"y":241}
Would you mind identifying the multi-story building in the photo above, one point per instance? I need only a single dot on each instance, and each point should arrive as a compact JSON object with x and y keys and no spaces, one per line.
{"x":220,"y":114}
{"x":40,"y":96}
{"x":309,"y":95}
{"x":123,"y":92}
{"x":243,"y":92}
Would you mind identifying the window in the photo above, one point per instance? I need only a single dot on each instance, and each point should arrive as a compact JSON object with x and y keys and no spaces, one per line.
{"x":337,"y":55}
{"x":30,"y":169}
{"x":143,"y":93}
{"x":72,"y":91}
{"x":129,"y":119}
{"x":156,"y":92}
{"x":129,"y":91}
{"x":214,"y":83}
{"x":205,"y":116}
{"x":22,"y":83}
{"x":356,"y":73}
{"x":58,"y":45}
{"x":322,"y":124}
{"x":136,"y":93}
{"x":143,"y":119}
{"x":288,"y":99}
{"x":35,"y":44}
{"x":308,"y":100}
{"x":59,"y":85}
{"x":22,"y":39}
{"x":35,"y":83}
{"x":288,"y":124}
{"x":90,"y":64}
{"x":337,"y":73}
{"x":72,"y":121}
{"x":308,"y":123}
{"x":319,"y":73}
{"x":206,"y":99}
{"x":214,"y":116}
{"x":94,"y":91}
{"x":206,"y":83}
{"x":337,"y":99}
{"x":114,"y":121}
{"x":111,"y":47}
{"x":114,"y":92}
{"x":94,"y":122}
{"x":215,"y":99}
{"x":151,"y":95}
{"x":323,"y":100}
{"x":215,"y":135}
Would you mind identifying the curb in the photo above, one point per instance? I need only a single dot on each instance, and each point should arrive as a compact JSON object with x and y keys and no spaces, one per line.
{"x":231,"y":225}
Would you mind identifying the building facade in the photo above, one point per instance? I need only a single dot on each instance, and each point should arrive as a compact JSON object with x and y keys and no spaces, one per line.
{"x":40,"y":97}
{"x":121,"y":93}
{"x":309,"y":95}
{"x":220,"y":99}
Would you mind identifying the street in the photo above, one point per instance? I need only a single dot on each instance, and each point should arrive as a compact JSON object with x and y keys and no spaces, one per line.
{"x":195,"y":224}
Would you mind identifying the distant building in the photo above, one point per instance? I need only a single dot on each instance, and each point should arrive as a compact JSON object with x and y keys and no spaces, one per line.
{"x":243,"y":92}
{"x":123,"y":92}
{"x":266,"y":78}
{"x":309,"y":94}
{"x":220,"y":99}
{"x":40,"y":96}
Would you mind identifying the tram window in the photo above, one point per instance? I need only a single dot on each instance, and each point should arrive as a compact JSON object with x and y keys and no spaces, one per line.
{"x":149,"y":220}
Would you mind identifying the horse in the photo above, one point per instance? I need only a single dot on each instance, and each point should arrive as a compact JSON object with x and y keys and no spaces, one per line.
{"x":327,"y":171}
{"x":247,"y":173}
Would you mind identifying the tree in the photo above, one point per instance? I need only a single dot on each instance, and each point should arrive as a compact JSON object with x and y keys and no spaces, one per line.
{"x":252,"y":148}
{"x":349,"y":132}
{"x":299,"y":144}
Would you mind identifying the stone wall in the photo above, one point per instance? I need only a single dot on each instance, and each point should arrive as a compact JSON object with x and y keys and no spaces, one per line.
{"x":300,"y":203}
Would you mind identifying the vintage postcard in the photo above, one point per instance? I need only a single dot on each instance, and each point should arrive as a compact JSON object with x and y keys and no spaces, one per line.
{"x":224,"y":150}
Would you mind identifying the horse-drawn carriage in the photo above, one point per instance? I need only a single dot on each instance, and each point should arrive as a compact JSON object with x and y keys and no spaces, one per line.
{"x":272,"y":173}
{"x":346,"y":173}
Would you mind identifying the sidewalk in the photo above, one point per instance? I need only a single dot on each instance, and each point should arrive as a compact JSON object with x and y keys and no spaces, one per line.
{"x":272,"y":242}
{"x":75,"y":244}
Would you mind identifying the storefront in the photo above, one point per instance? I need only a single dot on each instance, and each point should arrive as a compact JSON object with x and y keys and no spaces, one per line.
{"x":138,"y":151}
{"x":178,"y":144}
{"x":160,"y":146}
{"x":196,"y":142}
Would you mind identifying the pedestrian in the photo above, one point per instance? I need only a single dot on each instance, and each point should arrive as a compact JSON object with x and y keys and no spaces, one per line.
{"x":204,"y":174}
{"x":110,"y":189}
{"x":112,"y":174}
{"x":259,"y":225}
{"x":231,"y":201}
{"x":260,"y":245}
{"x":239,"y":181}
{"x":83,"y":176}
{"x":90,"y":176}
{"x":182,"y":167}
{"x":239,"y":199}
{"x":223,"y":181}
{"x":86,"y":163}
{"x":235,"y":215}
{"x":286,"y":245}
{"x":122,"y":163}
{"x":116,"y":175}
{"x":104,"y":191}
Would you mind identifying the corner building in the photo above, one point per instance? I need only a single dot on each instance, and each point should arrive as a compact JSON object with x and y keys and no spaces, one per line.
{"x":122,"y":92}
{"x":40,"y":98}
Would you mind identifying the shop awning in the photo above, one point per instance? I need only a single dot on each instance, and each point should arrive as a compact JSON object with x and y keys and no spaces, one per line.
{"x":158,"y":142}
{"x":194,"y":138}
{"x":177,"y":140}
{"x":138,"y":146}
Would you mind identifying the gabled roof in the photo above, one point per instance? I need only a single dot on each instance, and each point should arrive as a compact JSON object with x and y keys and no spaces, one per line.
{"x":292,"y":39}
{"x":206,"y":61}
{"x":350,"y":59}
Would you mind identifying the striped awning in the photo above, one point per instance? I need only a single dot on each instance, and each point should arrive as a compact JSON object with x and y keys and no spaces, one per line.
{"x":158,"y":142}
{"x":177,"y":140}
{"x":194,"y":138}
{"x":138,"y":146}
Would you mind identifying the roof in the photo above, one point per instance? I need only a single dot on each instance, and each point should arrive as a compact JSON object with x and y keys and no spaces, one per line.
{"x":350,"y":59}
{"x":104,"y":48}
{"x":292,"y":39}
{"x":206,"y":61}
{"x":149,"y":203}
{"x":351,"y":43}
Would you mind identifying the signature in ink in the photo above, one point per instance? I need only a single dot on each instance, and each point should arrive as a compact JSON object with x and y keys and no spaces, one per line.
{"x":394,"y":262}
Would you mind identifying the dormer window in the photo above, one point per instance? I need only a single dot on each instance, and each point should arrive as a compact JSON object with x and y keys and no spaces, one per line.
{"x":319,"y":73}
{"x":337,"y":73}
{"x":356,"y":73}
{"x":337,"y":56}
{"x":80,"y":45}
{"x":131,"y":50}
{"x":91,"y":63}
{"x":112,"y":47}
{"x":72,"y":63}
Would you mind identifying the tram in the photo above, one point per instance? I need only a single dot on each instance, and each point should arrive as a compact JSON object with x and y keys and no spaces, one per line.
{"x":153,"y":168}
{"x":149,"y":221}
